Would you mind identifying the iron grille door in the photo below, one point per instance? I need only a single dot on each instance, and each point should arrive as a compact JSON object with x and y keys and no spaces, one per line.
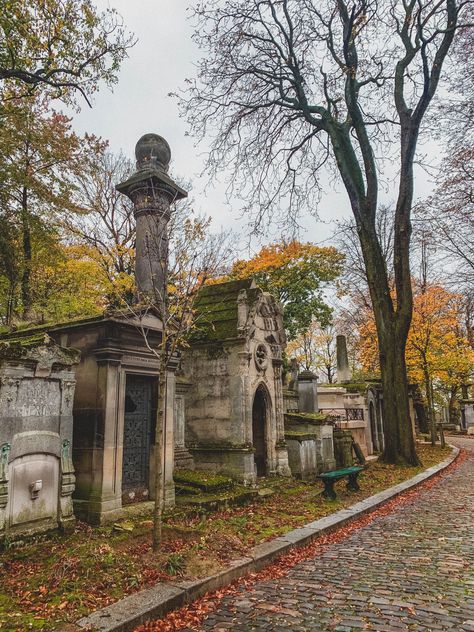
{"x":137,"y":437}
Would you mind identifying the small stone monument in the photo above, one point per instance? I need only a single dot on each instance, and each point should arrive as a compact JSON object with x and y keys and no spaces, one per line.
{"x":307,"y":392}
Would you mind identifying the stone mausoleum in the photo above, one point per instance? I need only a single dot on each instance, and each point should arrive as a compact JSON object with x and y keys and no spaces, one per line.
{"x":234,"y":420}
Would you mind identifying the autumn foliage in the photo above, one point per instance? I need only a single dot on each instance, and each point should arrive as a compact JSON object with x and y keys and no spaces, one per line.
{"x":438,"y":354}
{"x":296,"y":274}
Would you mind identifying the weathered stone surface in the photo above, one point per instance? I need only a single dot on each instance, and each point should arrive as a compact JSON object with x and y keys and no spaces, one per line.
{"x":126,"y":614}
{"x":37,"y":380}
{"x":234,"y":407}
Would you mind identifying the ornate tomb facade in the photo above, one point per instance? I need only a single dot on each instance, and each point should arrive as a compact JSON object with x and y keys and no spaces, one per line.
{"x":234,"y":404}
{"x":117,"y":377}
{"x":37,"y":381}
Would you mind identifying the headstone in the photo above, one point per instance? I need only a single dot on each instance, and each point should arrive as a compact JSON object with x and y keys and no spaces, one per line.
{"x":37,"y":380}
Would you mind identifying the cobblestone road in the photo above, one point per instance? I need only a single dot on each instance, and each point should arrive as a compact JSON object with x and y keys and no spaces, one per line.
{"x":409,"y":570}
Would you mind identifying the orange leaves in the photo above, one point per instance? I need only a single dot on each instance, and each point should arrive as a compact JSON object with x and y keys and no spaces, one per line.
{"x":436,"y":342}
{"x":293,"y":253}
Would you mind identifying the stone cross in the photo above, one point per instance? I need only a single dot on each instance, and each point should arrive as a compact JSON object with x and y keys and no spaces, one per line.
{"x":152,"y":192}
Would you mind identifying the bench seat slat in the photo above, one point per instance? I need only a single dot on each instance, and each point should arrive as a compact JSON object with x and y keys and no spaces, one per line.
{"x":341,"y":473}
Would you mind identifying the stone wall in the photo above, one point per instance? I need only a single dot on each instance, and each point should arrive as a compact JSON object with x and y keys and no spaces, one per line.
{"x":37,"y":382}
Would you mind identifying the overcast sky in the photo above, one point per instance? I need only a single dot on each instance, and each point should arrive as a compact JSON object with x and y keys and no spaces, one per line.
{"x":158,"y":64}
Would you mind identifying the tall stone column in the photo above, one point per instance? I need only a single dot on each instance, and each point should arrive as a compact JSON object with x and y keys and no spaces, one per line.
{"x":152,"y":192}
{"x":343,"y":369}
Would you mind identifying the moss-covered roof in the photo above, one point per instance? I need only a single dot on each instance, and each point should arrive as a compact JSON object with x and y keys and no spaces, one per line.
{"x":31,"y":330}
{"x":28,"y":329}
{"x":24,"y":347}
{"x":216,"y":309}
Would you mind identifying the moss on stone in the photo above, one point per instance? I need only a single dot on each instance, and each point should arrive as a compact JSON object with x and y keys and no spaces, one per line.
{"x":208,"y":483}
{"x":299,"y":435}
{"x":23,"y":347}
{"x":356,"y":387}
{"x":216,"y":310}
{"x":306,"y":418}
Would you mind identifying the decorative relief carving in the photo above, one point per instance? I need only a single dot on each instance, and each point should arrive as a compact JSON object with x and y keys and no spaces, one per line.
{"x":4,"y":452}
{"x":8,"y":392}
{"x":68,"y":479}
{"x":68,"y":387}
{"x":261,"y":357}
{"x":38,"y":398}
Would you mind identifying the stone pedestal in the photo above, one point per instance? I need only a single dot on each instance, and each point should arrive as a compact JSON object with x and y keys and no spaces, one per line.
{"x":307,"y":392}
{"x":183,"y":459}
{"x":343,"y":448}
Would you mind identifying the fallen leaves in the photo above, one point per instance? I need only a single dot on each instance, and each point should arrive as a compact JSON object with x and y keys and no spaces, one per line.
{"x":192,"y":615}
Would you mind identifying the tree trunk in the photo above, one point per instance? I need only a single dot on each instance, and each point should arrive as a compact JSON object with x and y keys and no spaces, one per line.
{"x":422,"y":416}
{"x":27,"y":256}
{"x":398,"y":431}
{"x":429,"y":399}
{"x":452,"y":409}
{"x":159,"y":451}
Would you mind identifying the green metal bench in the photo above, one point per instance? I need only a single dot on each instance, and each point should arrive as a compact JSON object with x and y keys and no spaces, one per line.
{"x":329,"y":478}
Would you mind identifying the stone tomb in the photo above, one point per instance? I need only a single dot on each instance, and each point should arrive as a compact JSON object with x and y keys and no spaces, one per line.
{"x":115,"y":413}
{"x":234,"y":405}
{"x":37,"y":381}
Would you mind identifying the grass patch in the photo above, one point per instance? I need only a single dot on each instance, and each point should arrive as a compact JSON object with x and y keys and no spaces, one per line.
{"x":51,"y":582}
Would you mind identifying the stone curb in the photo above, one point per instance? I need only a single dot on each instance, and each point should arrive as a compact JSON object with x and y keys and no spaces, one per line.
{"x":155,"y":602}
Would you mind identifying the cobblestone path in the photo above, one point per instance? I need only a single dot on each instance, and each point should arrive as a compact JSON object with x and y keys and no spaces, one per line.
{"x":410,"y":570}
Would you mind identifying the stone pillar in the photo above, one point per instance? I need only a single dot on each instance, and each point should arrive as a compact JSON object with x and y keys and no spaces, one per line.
{"x":467,"y":405}
{"x":282,"y":466}
{"x":182,"y":456}
{"x":152,"y":191}
{"x":308,"y":392}
{"x":343,"y":370}
{"x":105,"y":486}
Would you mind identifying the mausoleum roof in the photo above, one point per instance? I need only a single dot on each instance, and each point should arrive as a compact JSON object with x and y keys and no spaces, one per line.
{"x":216,"y":309}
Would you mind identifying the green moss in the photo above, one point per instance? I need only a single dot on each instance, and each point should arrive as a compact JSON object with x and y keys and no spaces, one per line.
{"x":298,"y":435}
{"x":356,"y":387}
{"x":15,"y":348}
{"x":216,"y":310}
{"x":208,"y":483}
{"x":306,"y":418}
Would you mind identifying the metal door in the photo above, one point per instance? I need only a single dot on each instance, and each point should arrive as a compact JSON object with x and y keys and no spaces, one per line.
{"x":137,"y":434}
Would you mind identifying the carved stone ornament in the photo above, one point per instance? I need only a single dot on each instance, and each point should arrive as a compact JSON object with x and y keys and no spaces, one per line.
{"x":261,"y":357}
{"x":4,"y":452}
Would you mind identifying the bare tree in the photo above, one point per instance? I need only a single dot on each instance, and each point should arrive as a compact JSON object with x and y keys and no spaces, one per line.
{"x":354,"y":279}
{"x":315,"y":350}
{"x":293,"y":85}
{"x":106,"y":224}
